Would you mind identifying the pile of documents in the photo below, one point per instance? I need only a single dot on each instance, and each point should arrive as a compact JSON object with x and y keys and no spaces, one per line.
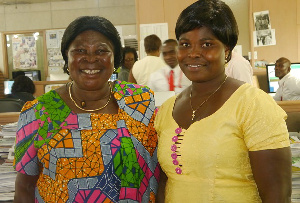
{"x":7,"y":173}
{"x":295,"y":148}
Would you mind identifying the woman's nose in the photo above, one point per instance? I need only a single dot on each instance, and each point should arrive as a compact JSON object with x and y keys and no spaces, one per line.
{"x":92,"y":57}
{"x":195,"y":52}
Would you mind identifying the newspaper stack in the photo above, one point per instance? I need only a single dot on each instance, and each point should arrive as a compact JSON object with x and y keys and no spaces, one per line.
{"x":295,"y":148}
{"x":7,"y":173}
{"x":7,"y":140}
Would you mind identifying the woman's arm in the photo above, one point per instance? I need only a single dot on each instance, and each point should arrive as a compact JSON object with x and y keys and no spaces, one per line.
{"x":160,"y":197}
{"x":272,"y":171}
{"x":24,"y":188}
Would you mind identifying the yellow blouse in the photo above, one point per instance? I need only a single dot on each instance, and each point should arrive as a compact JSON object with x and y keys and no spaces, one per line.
{"x":214,"y":151}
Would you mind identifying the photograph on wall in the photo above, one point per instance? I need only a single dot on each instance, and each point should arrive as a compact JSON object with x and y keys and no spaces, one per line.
{"x":264,"y":37}
{"x":53,"y":38}
{"x":262,"y":20}
{"x":24,"y":53}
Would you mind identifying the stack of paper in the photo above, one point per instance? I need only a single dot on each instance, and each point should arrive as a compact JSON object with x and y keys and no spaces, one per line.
{"x":295,"y":148}
{"x":7,"y":186}
{"x":7,"y":173}
{"x":7,"y":140}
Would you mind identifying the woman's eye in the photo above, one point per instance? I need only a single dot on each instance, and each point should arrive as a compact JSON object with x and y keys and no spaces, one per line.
{"x":206,"y":44}
{"x":79,"y":50}
{"x":101,"y":51}
{"x":184,"y":44}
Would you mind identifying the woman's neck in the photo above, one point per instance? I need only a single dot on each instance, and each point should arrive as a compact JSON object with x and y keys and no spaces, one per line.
{"x":87,"y":95}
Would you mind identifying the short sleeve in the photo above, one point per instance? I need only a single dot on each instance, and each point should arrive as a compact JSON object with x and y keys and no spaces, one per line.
{"x":263,"y":124}
{"x":25,"y":159}
{"x":161,"y":112}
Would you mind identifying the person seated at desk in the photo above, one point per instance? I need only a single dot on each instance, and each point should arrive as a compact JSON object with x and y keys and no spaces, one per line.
{"x":170,"y":77}
{"x":289,"y":86}
{"x":23,"y":88}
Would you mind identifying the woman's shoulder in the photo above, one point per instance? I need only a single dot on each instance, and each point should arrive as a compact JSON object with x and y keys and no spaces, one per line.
{"x":49,"y":95}
{"x":127,"y":89}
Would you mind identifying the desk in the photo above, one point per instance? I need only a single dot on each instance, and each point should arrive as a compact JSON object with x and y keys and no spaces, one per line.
{"x":289,"y":106}
{"x":9,"y":117}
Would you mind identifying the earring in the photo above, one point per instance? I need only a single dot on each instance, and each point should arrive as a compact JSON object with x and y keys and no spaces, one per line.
{"x":226,"y":60}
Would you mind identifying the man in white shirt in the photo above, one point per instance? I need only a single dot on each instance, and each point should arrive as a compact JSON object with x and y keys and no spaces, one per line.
{"x":142,"y":69}
{"x":239,"y":68}
{"x":289,"y":86}
{"x":170,"y":77}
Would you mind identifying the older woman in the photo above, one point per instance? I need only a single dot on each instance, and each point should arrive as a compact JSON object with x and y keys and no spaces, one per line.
{"x":91,"y":140}
{"x":220,"y":140}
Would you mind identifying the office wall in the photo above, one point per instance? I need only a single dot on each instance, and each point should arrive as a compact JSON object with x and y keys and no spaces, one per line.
{"x":285,"y":19}
{"x":54,"y":15}
{"x":162,"y":11}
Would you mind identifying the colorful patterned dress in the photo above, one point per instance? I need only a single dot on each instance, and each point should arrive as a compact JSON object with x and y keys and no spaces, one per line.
{"x":90,"y":157}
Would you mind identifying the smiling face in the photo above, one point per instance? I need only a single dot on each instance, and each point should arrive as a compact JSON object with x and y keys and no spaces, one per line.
{"x":90,"y":60}
{"x":201,"y":55}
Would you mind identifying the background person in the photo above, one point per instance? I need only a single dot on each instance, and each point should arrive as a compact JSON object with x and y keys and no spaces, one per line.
{"x":84,"y":142}
{"x":129,"y":58}
{"x":23,"y":88}
{"x":289,"y":85}
{"x":220,"y":140}
{"x":170,"y":77}
{"x":142,"y":69}
{"x":239,"y":68}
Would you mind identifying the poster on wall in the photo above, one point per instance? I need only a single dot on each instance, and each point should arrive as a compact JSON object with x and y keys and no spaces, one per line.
{"x":53,"y":41}
{"x":55,"y":58}
{"x":24,"y":52}
{"x":263,"y":34}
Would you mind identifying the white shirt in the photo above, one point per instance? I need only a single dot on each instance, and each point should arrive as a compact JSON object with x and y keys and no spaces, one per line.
{"x":239,"y":68}
{"x":289,"y":88}
{"x":142,"y":69}
{"x":159,"y":80}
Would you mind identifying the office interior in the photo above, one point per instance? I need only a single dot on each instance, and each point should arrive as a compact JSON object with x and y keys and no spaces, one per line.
{"x":31,"y":16}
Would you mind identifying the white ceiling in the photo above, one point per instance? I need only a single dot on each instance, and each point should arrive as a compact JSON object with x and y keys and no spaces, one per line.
{"x":13,"y":2}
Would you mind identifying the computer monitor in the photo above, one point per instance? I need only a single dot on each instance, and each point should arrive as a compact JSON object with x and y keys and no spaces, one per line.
{"x":273,"y":80}
{"x":34,"y":75}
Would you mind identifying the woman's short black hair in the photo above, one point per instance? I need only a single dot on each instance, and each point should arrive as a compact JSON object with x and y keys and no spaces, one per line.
{"x":129,"y":50}
{"x":213,"y":14}
{"x":23,"y":83}
{"x":96,"y":23}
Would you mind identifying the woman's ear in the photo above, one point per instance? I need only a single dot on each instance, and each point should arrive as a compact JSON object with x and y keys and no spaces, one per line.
{"x":227,"y":53}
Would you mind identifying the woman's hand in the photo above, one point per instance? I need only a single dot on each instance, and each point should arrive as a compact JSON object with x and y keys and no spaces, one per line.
{"x":272,"y":171}
{"x":24,"y":188}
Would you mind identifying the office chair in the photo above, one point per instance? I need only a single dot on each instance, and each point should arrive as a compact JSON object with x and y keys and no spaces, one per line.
{"x":11,"y":105}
